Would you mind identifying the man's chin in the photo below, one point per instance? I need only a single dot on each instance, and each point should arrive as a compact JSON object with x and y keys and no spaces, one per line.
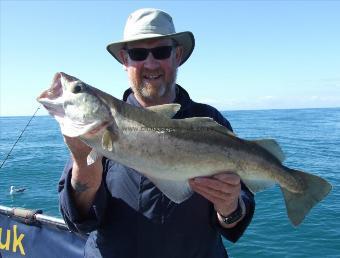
{"x":153,"y":92}
{"x":151,"y":98}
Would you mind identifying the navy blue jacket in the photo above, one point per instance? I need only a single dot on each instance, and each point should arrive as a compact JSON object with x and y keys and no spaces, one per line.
{"x":131,"y":218}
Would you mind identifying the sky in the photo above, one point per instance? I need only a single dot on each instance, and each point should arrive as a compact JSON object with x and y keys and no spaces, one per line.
{"x":248,"y":54}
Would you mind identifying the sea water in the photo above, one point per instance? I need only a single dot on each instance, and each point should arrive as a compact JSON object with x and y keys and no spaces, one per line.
{"x":310,"y":139}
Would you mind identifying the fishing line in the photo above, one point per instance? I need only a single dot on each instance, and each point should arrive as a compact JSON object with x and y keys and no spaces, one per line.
{"x":9,"y":153}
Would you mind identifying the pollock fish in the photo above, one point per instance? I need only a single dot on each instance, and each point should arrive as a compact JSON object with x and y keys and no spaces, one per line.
{"x":171,"y":151}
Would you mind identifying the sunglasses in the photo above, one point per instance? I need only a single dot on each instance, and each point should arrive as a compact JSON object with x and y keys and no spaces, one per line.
{"x":140,"y":54}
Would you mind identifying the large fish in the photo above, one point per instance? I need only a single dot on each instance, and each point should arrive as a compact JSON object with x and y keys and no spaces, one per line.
{"x":171,"y":151}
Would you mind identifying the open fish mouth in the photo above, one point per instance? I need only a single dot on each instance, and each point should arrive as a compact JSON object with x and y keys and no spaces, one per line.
{"x":71,"y":103}
{"x":55,"y":91}
{"x":51,"y":98}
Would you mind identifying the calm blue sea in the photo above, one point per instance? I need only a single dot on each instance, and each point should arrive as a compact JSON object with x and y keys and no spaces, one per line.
{"x":310,"y":139}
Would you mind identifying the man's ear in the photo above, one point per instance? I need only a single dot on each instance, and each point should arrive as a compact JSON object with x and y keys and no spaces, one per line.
{"x":179,"y":55}
{"x":124,"y":58}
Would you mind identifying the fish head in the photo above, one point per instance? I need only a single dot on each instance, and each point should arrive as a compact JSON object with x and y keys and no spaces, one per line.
{"x":76,"y":106}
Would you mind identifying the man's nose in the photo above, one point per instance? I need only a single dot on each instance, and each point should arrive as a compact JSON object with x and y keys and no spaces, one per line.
{"x":151,"y":62}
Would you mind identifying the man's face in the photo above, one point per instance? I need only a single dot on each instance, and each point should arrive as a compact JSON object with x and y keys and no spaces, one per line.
{"x":153,"y":80}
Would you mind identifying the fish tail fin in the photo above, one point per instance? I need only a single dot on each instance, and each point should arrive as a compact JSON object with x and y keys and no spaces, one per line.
{"x":300,"y":203}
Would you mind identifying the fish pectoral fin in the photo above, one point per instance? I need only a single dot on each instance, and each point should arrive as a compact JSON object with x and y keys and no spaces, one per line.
{"x":271,"y":146}
{"x":167,"y":110}
{"x":176,"y":191}
{"x":206,"y":123}
{"x":257,"y":185}
{"x":92,"y":157}
{"x":107,"y":139}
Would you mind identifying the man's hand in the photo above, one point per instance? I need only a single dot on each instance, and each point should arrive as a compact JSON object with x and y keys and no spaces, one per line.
{"x":223,"y":190}
{"x":78,"y":149}
{"x":85,"y":178}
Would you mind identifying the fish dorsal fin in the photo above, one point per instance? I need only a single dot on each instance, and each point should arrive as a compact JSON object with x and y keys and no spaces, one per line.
{"x":271,"y":146}
{"x":167,"y":110}
{"x":207,"y":123}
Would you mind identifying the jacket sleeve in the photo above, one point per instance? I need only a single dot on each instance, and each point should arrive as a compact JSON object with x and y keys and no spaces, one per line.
{"x":68,"y":208}
{"x":233,"y":234}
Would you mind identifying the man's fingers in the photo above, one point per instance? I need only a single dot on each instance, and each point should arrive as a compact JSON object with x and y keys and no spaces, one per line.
{"x":79,"y":150}
{"x":212,"y":196}
{"x":223,"y":195}
{"x":217,"y":195}
{"x":218,"y":185}
{"x":209,"y":182}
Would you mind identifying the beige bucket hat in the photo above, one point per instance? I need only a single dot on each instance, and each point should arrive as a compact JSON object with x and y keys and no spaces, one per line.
{"x":149,"y":23}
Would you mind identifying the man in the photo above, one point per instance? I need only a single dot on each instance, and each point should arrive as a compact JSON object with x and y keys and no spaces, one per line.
{"x":125,"y":214}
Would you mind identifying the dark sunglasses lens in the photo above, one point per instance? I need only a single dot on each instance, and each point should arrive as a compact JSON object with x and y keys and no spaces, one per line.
{"x":138,"y":54}
{"x":161,"y":52}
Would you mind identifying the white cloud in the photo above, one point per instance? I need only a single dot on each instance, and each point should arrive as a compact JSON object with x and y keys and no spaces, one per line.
{"x":274,"y":102}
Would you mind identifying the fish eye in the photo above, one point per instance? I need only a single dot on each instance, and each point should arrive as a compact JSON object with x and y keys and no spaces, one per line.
{"x":77,"y":88}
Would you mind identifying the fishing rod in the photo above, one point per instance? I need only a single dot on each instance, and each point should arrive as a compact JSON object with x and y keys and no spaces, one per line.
{"x":9,"y":153}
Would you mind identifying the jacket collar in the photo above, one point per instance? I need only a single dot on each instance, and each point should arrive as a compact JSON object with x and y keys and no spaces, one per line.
{"x":182,"y":97}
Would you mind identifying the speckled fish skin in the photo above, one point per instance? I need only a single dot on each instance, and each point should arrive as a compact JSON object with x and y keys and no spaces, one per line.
{"x":170,"y":151}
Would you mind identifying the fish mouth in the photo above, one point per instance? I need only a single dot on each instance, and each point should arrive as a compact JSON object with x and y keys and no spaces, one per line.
{"x":54,"y":91}
{"x":62,"y":103}
{"x":51,"y":98}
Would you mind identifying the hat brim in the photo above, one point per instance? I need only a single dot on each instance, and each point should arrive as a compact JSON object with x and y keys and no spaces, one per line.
{"x":185,"y":39}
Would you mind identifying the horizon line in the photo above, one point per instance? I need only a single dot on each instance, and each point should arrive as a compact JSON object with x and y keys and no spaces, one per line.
{"x":226,"y":110}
